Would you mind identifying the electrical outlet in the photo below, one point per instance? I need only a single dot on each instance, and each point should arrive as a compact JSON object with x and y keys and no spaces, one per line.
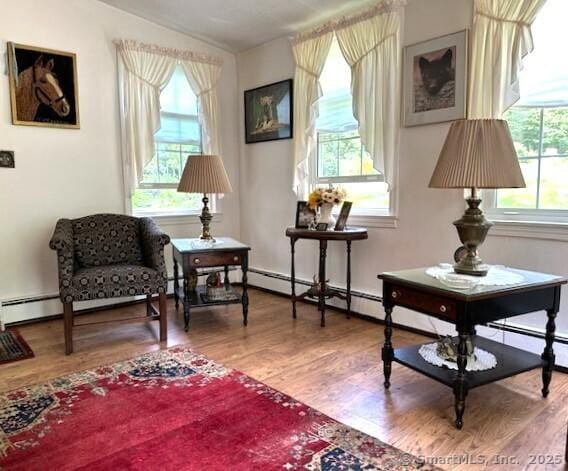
{"x":7,"y":159}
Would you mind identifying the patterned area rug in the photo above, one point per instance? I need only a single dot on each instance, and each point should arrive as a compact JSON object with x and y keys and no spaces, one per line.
{"x":13,"y":347}
{"x":177,"y":410}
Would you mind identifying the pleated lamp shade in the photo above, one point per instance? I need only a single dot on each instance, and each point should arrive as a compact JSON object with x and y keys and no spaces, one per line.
{"x":204,"y":174}
{"x":478,"y":153}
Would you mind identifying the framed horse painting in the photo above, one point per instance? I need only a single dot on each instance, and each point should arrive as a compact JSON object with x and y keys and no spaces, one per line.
{"x":43,"y":87}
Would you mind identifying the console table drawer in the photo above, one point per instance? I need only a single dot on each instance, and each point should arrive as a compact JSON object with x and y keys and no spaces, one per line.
{"x":215,"y":259}
{"x":437,"y":306}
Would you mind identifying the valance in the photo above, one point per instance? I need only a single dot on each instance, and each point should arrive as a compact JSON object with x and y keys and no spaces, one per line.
{"x":181,"y":55}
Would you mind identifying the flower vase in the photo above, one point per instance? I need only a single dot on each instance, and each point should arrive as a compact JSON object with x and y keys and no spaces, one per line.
{"x":325,"y":216}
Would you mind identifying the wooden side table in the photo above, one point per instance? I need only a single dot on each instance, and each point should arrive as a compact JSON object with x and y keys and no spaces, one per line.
{"x":348,"y":235}
{"x":195,"y":254}
{"x":414,"y":289}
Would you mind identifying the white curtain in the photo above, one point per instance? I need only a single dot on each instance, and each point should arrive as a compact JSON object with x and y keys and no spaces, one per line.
{"x":146,"y":75}
{"x":370,"y":44}
{"x":501,"y":37}
{"x":203,"y":78}
{"x":310,"y":53}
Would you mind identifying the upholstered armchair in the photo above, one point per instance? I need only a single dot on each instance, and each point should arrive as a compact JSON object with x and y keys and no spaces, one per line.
{"x":108,"y":256}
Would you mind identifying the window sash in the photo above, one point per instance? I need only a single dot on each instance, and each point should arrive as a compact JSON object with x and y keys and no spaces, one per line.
{"x":354,"y":178}
{"x":536,"y":213}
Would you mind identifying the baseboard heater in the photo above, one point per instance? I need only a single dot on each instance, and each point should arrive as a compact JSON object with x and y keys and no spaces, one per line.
{"x":559,"y":338}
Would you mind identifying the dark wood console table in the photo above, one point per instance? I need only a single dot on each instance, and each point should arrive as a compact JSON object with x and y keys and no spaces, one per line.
{"x":414,"y":289}
{"x":194,"y":254}
{"x":348,"y":235}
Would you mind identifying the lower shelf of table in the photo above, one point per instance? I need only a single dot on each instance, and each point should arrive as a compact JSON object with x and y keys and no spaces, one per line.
{"x":510,"y":361}
{"x":196,"y":299}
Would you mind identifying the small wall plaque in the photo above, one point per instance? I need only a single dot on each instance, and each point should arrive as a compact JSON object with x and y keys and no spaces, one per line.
{"x":7,"y":159}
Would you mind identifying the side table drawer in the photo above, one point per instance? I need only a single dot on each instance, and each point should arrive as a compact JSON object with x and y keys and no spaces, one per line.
{"x":437,"y":306}
{"x":215,"y":259}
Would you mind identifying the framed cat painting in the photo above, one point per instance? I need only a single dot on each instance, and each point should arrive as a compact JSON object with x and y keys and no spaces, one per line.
{"x":435,"y":80}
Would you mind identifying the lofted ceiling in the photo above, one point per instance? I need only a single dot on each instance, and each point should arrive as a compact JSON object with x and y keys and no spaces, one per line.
{"x":237,"y":25}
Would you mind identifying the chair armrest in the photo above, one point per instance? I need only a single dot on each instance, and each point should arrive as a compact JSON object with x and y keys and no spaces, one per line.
{"x":62,"y":238}
{"x":62,"y":241}
{"x":153,"y":242}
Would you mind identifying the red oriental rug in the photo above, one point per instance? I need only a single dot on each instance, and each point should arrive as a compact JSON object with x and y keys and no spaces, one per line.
{"x":177,"y":410}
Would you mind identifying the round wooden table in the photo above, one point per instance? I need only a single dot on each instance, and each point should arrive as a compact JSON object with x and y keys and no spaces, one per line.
{"x":324,"y":292}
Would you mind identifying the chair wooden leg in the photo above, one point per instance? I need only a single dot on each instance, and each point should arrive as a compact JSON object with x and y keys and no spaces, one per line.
{"x":68,"y":327}
{"x":163,"y":317}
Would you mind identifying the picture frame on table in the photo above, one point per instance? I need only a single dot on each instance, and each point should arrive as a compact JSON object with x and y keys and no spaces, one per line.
{"x":435,"y":80}
{"x":322,"y":226}
{"x":305,"y":217}
{"x":269,"y":112}
{"x":43,"y":87}
{"x":343,"y":216}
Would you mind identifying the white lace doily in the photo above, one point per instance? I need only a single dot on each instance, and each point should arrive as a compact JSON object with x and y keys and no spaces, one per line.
{"x":483,"y":359}
{"x":496,"y":276}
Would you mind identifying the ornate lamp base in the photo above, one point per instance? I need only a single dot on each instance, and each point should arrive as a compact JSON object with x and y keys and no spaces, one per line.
{"x":205,"y":219}
{"x":472,"y":229}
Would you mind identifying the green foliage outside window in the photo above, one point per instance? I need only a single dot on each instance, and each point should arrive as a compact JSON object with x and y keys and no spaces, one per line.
{"x":541,"y":140}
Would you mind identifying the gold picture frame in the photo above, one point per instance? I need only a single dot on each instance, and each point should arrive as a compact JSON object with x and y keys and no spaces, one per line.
{"x":43,"y":87}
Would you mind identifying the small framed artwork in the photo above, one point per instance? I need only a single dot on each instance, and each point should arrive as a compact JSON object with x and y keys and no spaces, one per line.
{"x":343,"y":216}
{"x":43,"y":87}
{"x":269,"y":112}
{"x":435,"y":80}
{"x":321,"y":226}
{"x":305,"y":217}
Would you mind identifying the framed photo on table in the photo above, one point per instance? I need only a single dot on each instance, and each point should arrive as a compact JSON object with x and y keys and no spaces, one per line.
{"x":343,"y":216}
{"x":269,"y":112}
{"x":305,"y":217}
{"x":435,"y":80}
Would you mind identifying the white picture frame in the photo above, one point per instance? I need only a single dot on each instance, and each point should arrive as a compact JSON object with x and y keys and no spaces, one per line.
{"x":435,"y":80}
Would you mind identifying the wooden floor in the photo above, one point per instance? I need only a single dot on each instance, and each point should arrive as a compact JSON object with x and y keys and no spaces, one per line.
{"x":336,"y":369}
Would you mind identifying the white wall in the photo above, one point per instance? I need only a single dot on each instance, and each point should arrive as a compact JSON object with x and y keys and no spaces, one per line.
{"x":425,"y":234}
{"x":72,"y":173}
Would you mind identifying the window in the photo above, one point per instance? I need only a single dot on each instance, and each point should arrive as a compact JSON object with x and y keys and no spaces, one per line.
{"x":179,"y":136}
{"x":539,"y":125}
{"x":341,"y":158}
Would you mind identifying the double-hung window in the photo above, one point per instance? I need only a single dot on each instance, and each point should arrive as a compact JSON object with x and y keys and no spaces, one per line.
{"x":539,"y":127}
{"x":341,"y":159}
{"x":178,"y":137}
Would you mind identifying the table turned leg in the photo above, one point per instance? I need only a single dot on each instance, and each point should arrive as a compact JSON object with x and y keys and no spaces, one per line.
{"x":323,"y":285}
{"x":548,"y":354}
{"x":226,"y":281}
{"x":186,"y":301}
{"x":176,"y":283}
{"x":293,"y":275}
{"x":460,"y":384}
{"x":387,"y":352}
{"x":348,"y":297}
{"x":245,"y":298}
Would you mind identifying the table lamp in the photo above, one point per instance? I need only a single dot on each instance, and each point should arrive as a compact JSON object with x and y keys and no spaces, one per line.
{"x":204,"y":174}
{"x":478,"y":153}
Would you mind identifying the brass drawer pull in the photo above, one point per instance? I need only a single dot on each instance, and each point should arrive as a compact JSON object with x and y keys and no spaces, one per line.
{"x":443,"y":308}
{"x":196,"y":260}
{"x":235,"y":258}
{"x":395,"y":294}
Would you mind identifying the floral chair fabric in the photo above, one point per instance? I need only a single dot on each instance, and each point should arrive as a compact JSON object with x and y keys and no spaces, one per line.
{"x":109,"y":255}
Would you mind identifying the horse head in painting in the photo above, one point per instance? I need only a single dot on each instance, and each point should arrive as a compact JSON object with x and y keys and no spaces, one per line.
{"x":37,"y":85}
